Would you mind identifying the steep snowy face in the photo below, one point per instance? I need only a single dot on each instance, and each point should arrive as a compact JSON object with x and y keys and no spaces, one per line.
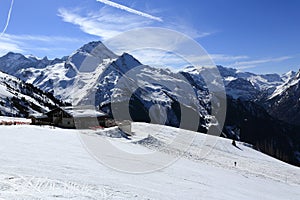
{"x":90,"y":56}
{"x":242,"y":89}
{"x":145,"y":88}
{"x":288,"y":76}
{"x":284,"y":103}
{"x":290,"y":79}
{"x":109,"y":78}
{"x":57,"y":78}
{"x":21,"y":99}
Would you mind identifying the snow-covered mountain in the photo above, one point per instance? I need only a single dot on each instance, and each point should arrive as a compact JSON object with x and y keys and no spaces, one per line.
{"x":245,"y":85}
{"x":259,"y":81}
{"x":21,"y":99}
{"x":17,"y":64}
{"x":68,"y":78}
{"x":95,"y":75}
{"x":284,"y":103}
{"x":59,"y":76}
{"x":90,"y":75}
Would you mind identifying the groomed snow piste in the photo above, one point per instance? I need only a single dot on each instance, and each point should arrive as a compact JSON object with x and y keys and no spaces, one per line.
{"x":47,"y":163}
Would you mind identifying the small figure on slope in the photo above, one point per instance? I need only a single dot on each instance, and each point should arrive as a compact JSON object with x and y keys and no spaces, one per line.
{"x":233,"y":143}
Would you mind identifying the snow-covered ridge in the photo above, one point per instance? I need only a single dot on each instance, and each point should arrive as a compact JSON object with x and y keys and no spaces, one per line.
{"x":290,"y":79}
{"x":244,"y":85}
{"x":21,"y":99}
{"x":60,"y":76}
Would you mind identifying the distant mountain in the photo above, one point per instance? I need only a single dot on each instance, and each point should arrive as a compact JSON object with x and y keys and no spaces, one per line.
{"x":284,"y":103}
{"x":262,"y":109}
{"x":250,"y":113}
{"x":21,"y":99}
{"x":15,"y":63}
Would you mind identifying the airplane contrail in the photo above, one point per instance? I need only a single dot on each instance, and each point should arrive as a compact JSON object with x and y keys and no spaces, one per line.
{"x":8,"y":18}
{"x":122,"y":7}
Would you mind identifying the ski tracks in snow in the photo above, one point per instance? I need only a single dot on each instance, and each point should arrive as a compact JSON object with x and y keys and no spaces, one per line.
{"x":14,"y":186}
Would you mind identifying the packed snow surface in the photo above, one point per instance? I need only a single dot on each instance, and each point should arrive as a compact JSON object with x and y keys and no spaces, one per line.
{"x":52,"y":163}
{"x":83,"y":112}
{"x":14,"y":119}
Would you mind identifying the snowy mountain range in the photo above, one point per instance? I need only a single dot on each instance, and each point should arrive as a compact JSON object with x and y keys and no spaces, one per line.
{"x":257,"y":104}
{"x":60,"y":75}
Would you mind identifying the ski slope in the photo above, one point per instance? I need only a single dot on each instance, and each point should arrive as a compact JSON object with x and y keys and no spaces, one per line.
{"x":47,"y":163}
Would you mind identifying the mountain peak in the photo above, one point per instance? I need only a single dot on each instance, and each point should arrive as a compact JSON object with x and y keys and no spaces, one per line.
{"x":90,"y":55}
{"x":96,"y":48}
{"x":14,"y":56}
{"x":128,"y":56}
{"x":89,"y":47}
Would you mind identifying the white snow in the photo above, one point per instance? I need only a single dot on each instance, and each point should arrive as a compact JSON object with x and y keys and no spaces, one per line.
{"x":230,"y":78}
{"x":46,"y":163}
{"x":83,"y":111}
{"x":290,"y":79}
{"x":11,"y":87}
{"x":14,"y":119}
{"x":4,"y":92}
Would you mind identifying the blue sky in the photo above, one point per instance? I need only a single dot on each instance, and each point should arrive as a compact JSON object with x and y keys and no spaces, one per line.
{"x":260,"y":36}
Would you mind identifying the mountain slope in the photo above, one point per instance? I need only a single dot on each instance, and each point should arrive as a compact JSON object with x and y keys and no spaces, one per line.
{"x":249,"y":122}
{"x":284,"y":103}
{"x":21,"y":99}
{"x":43,"y":163}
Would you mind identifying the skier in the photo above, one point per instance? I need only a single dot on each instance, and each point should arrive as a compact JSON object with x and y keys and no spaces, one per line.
{"x":233,"y":143}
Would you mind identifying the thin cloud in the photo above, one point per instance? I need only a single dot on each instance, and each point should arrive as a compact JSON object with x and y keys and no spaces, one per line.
{"x":6,"y":47}
{"x":220,"y":58}
{"x":103,"y":23}
{"x":253,"y":63}
{"x":108,"y":23}
{"x":42,"y":38}
{"x":181,"y":25}
{"x":8,"y":17}
{"x":130,"y":10}
{"x":29,"y":44}
{"x":160,"y":58}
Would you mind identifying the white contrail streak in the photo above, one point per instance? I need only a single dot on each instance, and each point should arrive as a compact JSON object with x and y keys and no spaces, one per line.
{"x":116,"y":5}
{"x":8,"y":18}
